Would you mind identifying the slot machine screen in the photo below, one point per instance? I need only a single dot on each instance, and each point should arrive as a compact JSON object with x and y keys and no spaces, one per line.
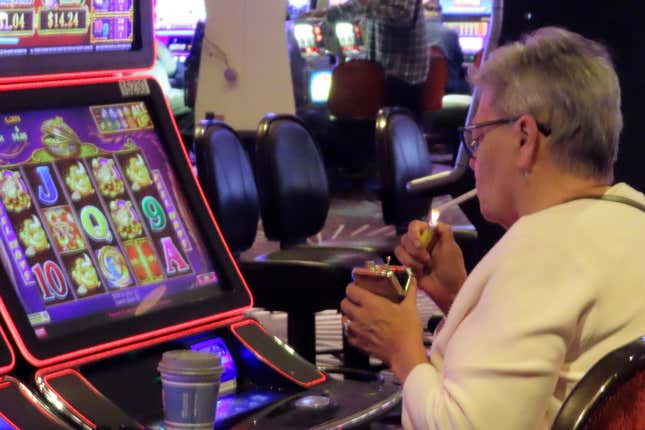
{"x":101,"y":236}
{"x":345,"y":35}
{"x":175,"y":23}
{"x":466,"y":7}
{"x":319,"y":86}
{"x":57,"y":36}
{"x":297,"y":7}
{"x":470,"y":45}
{"x":472,"y":34}
{"x":308,"y":36}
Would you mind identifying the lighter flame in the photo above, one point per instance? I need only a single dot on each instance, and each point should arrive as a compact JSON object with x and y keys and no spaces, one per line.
{"x":434,"y":217}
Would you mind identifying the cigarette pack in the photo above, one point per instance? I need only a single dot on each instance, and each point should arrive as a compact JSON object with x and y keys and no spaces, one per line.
{"x":389,"y":281}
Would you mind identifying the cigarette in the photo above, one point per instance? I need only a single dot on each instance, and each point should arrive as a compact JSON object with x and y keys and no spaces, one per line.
{"x":428,"y":237}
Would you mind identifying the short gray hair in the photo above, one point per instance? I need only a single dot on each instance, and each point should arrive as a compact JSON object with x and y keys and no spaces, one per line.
{"x":568,"y":83}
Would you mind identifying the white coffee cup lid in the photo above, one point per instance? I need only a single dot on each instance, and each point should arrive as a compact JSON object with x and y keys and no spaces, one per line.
{"x":192,"y":361}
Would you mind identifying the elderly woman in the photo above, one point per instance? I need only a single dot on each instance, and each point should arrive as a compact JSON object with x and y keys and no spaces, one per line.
{"x":562,"y":288}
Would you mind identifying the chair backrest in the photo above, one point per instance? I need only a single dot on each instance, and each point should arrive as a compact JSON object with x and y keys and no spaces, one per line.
{"x":434,"y":88}
{"x":611,"y":395}
{"x":226,"y":177}
{"x":402,"y":155}
{"x":357,"y":90}
{"x":292,"y":181}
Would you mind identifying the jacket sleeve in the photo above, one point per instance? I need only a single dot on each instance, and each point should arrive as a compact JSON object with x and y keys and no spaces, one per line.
{"x":500,"y":365}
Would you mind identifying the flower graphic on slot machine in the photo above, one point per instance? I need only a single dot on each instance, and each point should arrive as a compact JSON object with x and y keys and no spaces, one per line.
{"x":138,"y":173}
{"x":78,"y":182}
{"x":113,"y":267}
{"x":13,"y":192}
{"x":125,"y":219}
{"x":33,"y":237}
{"x":59,"y":138}
{"x":107,"y":177}
{"x":84,"y":275}
{"x":63,"y":228}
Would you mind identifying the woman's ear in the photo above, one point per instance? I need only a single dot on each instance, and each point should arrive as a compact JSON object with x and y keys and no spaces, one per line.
{"x":528,"y":143}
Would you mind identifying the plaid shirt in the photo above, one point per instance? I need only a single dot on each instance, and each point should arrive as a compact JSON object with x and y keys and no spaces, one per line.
{"x":393,"y":40}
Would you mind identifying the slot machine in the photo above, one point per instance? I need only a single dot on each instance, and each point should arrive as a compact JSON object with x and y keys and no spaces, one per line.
{"x":315,"y":62}
{"x":175,"y":24}
{"x":109,"y":253}
{"x":471,"y":20}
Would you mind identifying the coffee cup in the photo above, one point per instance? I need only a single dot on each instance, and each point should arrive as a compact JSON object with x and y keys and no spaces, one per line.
{"x":190,"y":382}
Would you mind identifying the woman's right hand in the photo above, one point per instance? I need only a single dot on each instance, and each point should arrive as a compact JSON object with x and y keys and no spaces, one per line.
{"x":441,"y":271}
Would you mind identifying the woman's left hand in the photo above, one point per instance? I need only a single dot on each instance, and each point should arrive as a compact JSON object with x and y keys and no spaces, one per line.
{"x":389,"y":331}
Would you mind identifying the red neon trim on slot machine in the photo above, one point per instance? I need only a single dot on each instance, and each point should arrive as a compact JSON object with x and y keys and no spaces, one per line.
{"x":68,"y":405}
{"x":8,"y":367}
{"x":234,"y":327}
{"x":80,"y":80}
{"x":210,"y":212}
{"x":59,"y":364}
{"x":64,"y":372}
{"x":121,"y":345}
{"x":36,"y":79}
{"x":8,"y":421}
{"x":31,"y":398}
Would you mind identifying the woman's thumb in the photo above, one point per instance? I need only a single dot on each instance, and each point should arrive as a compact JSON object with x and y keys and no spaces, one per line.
{"x":411,"y":293}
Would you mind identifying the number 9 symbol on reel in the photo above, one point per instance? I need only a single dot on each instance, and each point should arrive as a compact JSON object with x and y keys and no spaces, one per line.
{"x":154,"y":213}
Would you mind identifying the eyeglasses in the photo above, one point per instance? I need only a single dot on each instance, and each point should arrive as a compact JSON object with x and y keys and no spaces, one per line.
{"x":472,"y":144}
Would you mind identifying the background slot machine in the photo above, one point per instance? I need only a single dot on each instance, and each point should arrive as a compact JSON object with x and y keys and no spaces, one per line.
{"x":349,"y":35}
{"x":313,"y":52}
{"x":110,"y":255}
{"x":470,"y":18}
{"x":175,"y":24}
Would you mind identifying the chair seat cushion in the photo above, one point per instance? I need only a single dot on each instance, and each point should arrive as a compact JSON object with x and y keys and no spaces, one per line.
{"x":307,"y":278}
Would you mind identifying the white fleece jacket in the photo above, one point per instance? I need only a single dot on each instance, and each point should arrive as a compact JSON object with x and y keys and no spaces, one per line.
{"x":562,"y":288}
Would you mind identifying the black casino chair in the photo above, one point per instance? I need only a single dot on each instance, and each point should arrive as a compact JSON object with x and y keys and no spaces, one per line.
{"x":300,"y":281}
{"x":403,"y":155}
{"x":611,"y":395}
{"x":294,"y":192}
{"x":227,"y":180}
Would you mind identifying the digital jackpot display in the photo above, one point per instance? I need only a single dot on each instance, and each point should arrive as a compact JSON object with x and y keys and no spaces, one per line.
{"x":466,"y":7}
{"x":94,"y":226}
{"x":37,"y":27}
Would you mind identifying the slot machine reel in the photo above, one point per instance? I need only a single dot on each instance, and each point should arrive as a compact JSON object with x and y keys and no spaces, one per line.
{"x":389,"y":281}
